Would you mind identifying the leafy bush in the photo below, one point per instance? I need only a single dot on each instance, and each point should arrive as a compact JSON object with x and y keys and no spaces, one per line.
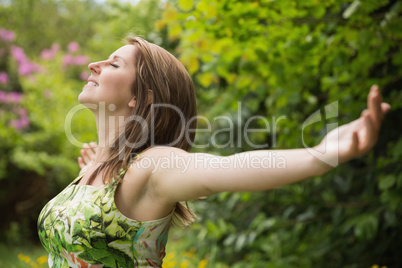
{"x":287,"y":59}
{"x":43,"y":66}
{"x":37,"y":159}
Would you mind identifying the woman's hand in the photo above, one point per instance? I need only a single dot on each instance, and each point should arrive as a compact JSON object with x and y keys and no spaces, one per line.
{"x":356,"y":138}
{"x":87,"y":156}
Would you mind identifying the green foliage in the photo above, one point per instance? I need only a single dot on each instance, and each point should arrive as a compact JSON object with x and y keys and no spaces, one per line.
{"x":288,"y":59}
{"x":43,"y":68}
{"x":38,"y":24}
{"x":38,"y":160}
{"x":122,"y":19}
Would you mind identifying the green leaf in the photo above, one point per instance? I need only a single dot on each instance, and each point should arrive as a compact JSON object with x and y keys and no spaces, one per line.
{"x":366,"y":226}
{"x":185,"y":5}
{"x":387,"y":182}
{"x":240,"y":242}
{"x":351,"y":9}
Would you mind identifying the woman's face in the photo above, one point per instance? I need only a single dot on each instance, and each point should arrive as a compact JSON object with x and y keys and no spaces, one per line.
{"x":111,"y":81}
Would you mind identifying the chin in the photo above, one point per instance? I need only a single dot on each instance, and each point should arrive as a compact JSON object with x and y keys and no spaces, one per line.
{"x":81,"y":98}
{"x":87,"y":102}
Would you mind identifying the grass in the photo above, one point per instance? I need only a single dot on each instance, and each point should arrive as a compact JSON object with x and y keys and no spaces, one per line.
{"x":22,"y":256}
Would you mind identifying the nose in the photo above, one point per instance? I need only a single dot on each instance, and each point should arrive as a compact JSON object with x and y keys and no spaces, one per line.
{"x":95,"y":67}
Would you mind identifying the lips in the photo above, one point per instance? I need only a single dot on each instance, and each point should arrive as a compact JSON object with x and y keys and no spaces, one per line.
{"x":92,"y":82}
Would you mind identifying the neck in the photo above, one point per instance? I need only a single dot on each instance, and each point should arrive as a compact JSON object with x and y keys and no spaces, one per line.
{"x":109,"y":126}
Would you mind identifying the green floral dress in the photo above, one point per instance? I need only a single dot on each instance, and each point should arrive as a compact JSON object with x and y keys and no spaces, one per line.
{"x":82,"y":227}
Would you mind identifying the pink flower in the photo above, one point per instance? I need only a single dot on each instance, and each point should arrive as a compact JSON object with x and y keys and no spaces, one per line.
{"x":84,"y":75}
{"x":7,"y":35}
{"x":18,"y":124}
{"x":23,"y":112}
{"x":67,"y":59}
{"x":49,"y":54}
{"x":26,"y":68}
{"x":3,"y":97}
{"x":46,"y":54}
{"x":81,"y":60}
{"x":77,"y":60}
{"x":14,"y":97}
{"x":24,"y":121}
{"x":55,"y":48}
{"x":18,"y":54}
{"x":21,"y":122}
{"x":73,"y":47}
{"x":15,"y":123}
{"x":3,"y":78}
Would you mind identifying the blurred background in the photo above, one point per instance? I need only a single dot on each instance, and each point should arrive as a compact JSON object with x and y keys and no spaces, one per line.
{"x":273,"y":59}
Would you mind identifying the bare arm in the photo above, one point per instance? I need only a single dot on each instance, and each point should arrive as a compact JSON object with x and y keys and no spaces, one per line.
{"x":177,"y":175}
{"x":188,"y":176}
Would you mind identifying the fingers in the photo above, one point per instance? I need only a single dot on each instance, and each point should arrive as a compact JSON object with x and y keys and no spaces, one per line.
{"x":369,"y":123}
{"x":88,"y":152}
{"x":93,"y":146}
{"x":355,"y":141}
{"x":86,"y":159}
{"x":81,"y":162}
{"x":374,"y":106}
{"x":368,"y":135}
{"x":385,"y":107}
{"x":364,"y":113}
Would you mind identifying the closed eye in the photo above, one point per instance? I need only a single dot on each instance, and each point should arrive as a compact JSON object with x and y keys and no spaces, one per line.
{"x":114,"y":65}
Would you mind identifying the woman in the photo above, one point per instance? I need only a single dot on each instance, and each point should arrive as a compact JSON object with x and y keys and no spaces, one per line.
{"x":117,"y":213}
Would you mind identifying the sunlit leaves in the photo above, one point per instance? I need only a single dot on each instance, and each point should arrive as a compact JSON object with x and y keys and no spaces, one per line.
{"x":289,"y":58}
{"x":185,"y":5}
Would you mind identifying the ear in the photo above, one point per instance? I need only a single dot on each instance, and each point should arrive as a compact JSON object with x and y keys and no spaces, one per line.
{"x":150,"y":96}
{"x":132,"y":102}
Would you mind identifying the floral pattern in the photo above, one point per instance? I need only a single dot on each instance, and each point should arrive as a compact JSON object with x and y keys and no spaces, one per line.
{"x":82,"y":227}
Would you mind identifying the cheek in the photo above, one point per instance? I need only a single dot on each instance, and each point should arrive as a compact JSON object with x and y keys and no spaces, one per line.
{"x":112,"y":81}
{"x":125,"y":83}
{"x":119,"y":86}
{"x":117,"y":82}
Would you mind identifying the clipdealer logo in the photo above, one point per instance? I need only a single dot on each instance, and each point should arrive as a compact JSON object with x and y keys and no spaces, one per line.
{"x":329,"y":154}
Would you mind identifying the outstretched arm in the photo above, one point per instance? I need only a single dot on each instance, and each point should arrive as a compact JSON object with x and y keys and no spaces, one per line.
{"x":176,"y":175}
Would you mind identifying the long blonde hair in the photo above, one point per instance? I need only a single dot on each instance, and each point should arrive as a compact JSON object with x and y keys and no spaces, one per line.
{"x":159,"y":71}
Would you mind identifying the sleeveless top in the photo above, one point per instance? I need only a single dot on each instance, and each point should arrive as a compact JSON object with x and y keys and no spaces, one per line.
{"x":82,"y":227}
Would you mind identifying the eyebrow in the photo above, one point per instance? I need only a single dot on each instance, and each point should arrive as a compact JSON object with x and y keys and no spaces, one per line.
{"x":116,"y":57}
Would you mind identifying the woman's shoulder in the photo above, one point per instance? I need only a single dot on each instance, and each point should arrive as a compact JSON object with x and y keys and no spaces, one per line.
{"x":147,"y":167}
{"x":155,"y":161}
{"x":156,"y":152}
{"x":148,"y":160}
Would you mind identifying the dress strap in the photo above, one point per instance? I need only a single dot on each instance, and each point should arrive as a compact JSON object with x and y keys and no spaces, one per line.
{"x":78,"y":178}
{"x":120,"y":176}
{"x":123,"y":172}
